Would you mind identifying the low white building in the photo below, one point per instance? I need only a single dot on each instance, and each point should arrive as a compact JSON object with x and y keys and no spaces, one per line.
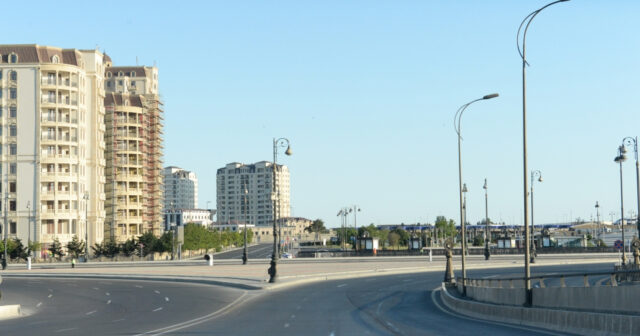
{"x":181,"y":217}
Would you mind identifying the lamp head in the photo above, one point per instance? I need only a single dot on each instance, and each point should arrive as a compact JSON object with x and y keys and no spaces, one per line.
{"x":288,"y":151}
{"x":622,"y":149}
{"x":489,"y":96}
{"x":597,"y":205}
{"x":485,"y":187}
{"x":464,"y":188}
{"x":540,"y":179}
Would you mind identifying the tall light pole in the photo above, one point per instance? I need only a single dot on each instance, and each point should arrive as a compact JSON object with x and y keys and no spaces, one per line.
{"x":620,"y":159}
{"x":628,"y":141}
{"x":457,"y":118}
{"x":522,"y":52}
{"x":355,"y":210}
{"x":28,"y":228}
{"x":534,"y":174}
{"x":464,"y":228}
{"x":598,"y":219}
{"x":86,"y":226}
{"x":245,"y":255}
{"x":487,"y":228}
{"x":281,"y":142}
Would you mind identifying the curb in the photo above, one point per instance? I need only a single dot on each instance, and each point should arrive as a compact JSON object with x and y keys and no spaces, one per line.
{"x":9,"y":311}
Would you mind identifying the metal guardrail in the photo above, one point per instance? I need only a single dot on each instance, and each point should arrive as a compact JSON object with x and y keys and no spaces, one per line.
{"x":617,"y":276}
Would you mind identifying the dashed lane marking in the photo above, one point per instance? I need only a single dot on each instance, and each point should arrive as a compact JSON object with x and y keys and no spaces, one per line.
{"x":157,"y":309}
{"x":109,"y":302}
{"x":50,"y":295}
{"x":91,"y":312}
{"x":341,"y":285}
{"x":166,"y":299}
{"x":63,"y":330}
{"x":39,"y":304}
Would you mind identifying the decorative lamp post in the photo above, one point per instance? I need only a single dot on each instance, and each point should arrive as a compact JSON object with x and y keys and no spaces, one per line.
{"x":86,"y":227}
{"x":620,"y":159}
{"x":281,"y":142}
{"x":628,"y":141}
{"x":533,"y":255}
{"x":522,"y":51}
{"x":245,"y":255}
{"x":457,"y":118}
{"x":598,"y":219}
{"x":487,"y":229}
{"x":355,"y":211}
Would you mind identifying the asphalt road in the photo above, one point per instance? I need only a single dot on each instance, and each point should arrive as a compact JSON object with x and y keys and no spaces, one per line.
{"x":259,"y":251}
{"x":107,"y":307}
{"x":405,"y":304}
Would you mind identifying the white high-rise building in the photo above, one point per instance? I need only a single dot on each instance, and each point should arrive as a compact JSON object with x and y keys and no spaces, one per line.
{"x":52,"y":136}
{"x":180,"y":189}
{"x":245,"y":193}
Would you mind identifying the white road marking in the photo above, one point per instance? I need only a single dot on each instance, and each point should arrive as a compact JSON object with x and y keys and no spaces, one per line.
{"x":107,"y":293}
{"x":379,"y":306}
{"x":96,"y":288}
{"x":341,"y":285}
{"x":109,"y":302}
{"x":166,"y":299}
{"x":332,"y":333}
{"x":50,"y":295}
{"x":286,"y":325}
{"x":157,"y":292}
{"x":138,"y":286}
{"x":68,"y":329}
{"x":293,"y":316}
{"x":39,"y":304}
{"x":91,"y":312}
{"x":157,"y":309}
{"x":118,"y":320}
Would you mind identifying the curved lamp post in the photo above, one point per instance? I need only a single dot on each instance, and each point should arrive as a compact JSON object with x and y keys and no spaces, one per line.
{"x":281,"y":142}
{"x":620,"y":159}
{"x":355,"y":211}
{"x":534,"y":174}
{"x":86,"y":227}
{"x":245,"y":253}
{"x":457,"y":118}
{"x":598,"y":219}
{"x":628,"y":141}
{"x":522,"y":51}
{"x":487,"y":229}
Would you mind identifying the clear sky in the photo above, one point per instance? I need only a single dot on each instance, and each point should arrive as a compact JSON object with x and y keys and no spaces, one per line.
{"x":366,"y":92}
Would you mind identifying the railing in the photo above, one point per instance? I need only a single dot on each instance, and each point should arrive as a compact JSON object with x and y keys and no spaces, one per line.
{"x":614,"y":278}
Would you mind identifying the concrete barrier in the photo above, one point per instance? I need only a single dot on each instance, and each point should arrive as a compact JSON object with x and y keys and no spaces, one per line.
{"x":574,"y":322}
{"x":9,"y":311}
{"x":603,"y":298}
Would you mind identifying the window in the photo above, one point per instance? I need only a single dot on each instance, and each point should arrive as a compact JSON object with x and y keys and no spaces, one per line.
{"x":13,"y":93}
{"x":12,"y":187}
{"x":13,"y":76}
{"x":12,"y":205}
{"x":13,"y":228}
{"x":13,"y":58}
{"x":13,"y":111}
{"x":109,"y":74}
{"x":0,"y":91}
{"x":13,"y":149}
{"x":13,"y":169}
{"x":13,"y":130}
{"x":109,"y":84}
{"x":55,"y":59}
{"x":133,"y":83}
{"x":120,"y":74}
{"x":133,"y":73}
{"x":120,"y":82}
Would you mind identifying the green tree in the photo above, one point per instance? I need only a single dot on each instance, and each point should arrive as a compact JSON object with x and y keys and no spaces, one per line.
{"x":316,"y":227}
{"x":75,"y":247}
{"x":393,"y":239}
{"x":478,"y":241}
{"x":129,"y":247}
{"x":110,"y":248}
{"x":18,"y":250}
{"x":403,"y":236}
{"x":98,"y":250}
{"x":56,"y":249}
{"x":447,"y":227}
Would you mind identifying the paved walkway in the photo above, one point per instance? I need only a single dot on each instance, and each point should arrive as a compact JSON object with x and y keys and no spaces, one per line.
{"x":254,"y":275}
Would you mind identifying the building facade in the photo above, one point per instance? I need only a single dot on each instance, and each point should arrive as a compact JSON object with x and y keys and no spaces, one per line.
{"x":133,"y":152}
{"x":52,"y":163}
{"x":181,"y":217}
{"x":245,"y":193}
{"x":180,"y":189}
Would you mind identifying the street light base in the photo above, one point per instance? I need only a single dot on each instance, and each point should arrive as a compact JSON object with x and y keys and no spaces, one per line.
{"x":272,"y":272}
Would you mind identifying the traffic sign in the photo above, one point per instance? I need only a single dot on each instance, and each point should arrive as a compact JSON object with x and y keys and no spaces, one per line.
{"x":618,"y":244}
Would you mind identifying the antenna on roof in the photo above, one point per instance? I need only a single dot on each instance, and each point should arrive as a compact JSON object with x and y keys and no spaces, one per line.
{"x":136,"y":60}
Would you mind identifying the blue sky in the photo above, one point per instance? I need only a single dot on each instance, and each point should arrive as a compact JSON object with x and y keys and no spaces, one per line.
{"x":366,"y":92}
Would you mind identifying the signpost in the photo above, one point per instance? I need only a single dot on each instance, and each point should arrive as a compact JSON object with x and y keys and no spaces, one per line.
{"x":618,"y":244}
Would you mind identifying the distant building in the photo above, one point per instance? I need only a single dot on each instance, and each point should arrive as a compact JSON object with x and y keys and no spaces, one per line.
{"x":245,"y":193}
{"x":180,"y":189}
{"x":181,"y":217}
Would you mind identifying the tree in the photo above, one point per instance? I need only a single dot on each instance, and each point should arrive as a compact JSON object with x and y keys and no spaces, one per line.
{"x":394,"y":239}
{"x":447,"y":227}
{"x":98,"y":250}
{"x":478,"y":241}
{"x":18,"y":250}
{"x":75,"y":247}
{"x":403,"y":236}
{"x":110,"y":248}
{"x":56,"y":249}
{"x":316,"y":227}
{"x":129,"y":247}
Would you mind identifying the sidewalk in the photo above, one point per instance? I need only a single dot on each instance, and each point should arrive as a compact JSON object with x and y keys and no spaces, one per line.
{"x":255,"y":276}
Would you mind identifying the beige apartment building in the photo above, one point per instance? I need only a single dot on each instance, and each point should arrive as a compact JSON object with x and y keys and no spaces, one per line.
{"x":245,"y":193}
{"x":51,"y":160}
{"x":133,"y":151}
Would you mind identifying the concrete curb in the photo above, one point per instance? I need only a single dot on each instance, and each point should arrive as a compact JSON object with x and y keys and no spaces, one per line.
{"x":572,"y":322}
{"x":9,"y":311}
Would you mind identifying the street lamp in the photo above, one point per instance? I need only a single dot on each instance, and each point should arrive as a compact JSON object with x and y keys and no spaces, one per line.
{"x":487,"y":229}
{"x":464,"y":206}
{"x":245,"y":255}
{"x":620,"y":159}
{"x":534,"y":173}
{"x":628,"y":141}
{"x":522,"y":52}
{"x":281,"y":142}
{"x":355,"y":211}
{"x":457,"y":118}
{"x":86,"y":227}
{"x":28,"y":228}
{"x":598,"y":219}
